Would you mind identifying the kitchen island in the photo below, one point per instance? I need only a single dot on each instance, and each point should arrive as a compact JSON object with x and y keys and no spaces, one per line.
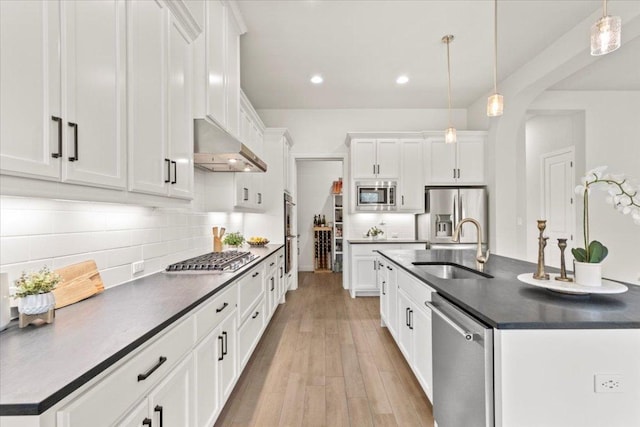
{"x":554,"y":359}
{"x":46,"y":369}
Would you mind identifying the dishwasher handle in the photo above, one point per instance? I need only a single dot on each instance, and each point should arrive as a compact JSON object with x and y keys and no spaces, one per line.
{"x":466,"y":334}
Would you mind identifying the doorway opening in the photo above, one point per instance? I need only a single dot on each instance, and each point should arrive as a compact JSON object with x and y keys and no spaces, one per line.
{"x":318,"y":205}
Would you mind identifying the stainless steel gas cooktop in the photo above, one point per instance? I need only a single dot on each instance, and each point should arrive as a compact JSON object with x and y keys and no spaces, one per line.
{"x":214,"y":261}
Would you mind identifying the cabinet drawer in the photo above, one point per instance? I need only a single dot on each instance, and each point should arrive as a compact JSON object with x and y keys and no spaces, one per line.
{"x":110,"y":398}
{"x":416,"y":290}
{"x":249,"y":333}
{"x":215,"y":311}
{"x":270,"y":265}
{"x":250,"y":290}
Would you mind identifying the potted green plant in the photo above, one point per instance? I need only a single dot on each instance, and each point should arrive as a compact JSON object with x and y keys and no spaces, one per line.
{"x":34,"y":291}
{"x":235,"y":239}
{"x":374,"y":232}
{"x":625,"y":197}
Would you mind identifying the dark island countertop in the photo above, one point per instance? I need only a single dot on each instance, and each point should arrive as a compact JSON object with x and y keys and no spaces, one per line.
{"x":39,"y":366}
{"x":504,"y":302}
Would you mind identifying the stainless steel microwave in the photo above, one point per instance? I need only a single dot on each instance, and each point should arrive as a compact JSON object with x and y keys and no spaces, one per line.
{"x":376,"y":195}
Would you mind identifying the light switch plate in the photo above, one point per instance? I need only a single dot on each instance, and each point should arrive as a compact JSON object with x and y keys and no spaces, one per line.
{"x":137,"y":267}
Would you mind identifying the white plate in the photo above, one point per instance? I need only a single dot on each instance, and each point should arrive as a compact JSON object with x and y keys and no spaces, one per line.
{"x":608,"y":287}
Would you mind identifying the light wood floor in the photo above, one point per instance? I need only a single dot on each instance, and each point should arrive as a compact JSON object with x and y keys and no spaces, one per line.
{"x":324,"y":360}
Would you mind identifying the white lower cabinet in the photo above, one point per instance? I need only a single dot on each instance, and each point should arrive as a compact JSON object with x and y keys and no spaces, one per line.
{"x":216,"y":368}
{"x":363,"y":265}
{"x":250,"y":332}
{"x":184,"y":377}
{"x":389,"y":296}
{"x":170,"y":403}
{"x":413,"y":334}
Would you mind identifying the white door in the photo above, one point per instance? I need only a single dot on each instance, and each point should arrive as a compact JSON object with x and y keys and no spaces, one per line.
{"x":392,"y":295}
{"x":138,"y":416}
{"x":147,"y":124}
{"x":388,"y":159}
{"x":171,"y":402}
{"x":94,"y":90}
{"x":180,"y":118}
{"x":442,"y":162}
{"x":207,"y":399}
{"x":422,"y":347}
{"x":30,"y":86}
{"x":228,"y":359}
{"x":411,"y":177}
{"x":558,"y":199}
{"x":470,"y":161}
{"x":405,"y":335}
{"x":364,"y":273}
{"x":363,"y":158}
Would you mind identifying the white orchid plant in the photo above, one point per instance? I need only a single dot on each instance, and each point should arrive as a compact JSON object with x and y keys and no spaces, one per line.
{"x":624,"y":195}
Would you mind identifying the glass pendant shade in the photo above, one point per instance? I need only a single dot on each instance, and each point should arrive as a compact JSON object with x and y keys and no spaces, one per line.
{"x":605,"y":35}
{"x":450,"y":135}
{"x":495,"y":105}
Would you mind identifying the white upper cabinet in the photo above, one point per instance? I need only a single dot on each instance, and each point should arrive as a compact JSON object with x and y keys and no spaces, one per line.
{"x":180,"y":118}
{"x":218,"y":66}
{"x":233,"y":76}
{"x":215,"y":51}
{"x":160,"y":116}
{"x":459,"y":163}
{"x":411,"y":188}
{"x":375,"y":158}
{"x":30,"y":105}
{"x":63,"y":91}
{"x":94,"y":64}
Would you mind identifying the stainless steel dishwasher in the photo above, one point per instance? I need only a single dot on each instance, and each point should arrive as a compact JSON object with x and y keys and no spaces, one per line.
{"x":462,"y":367}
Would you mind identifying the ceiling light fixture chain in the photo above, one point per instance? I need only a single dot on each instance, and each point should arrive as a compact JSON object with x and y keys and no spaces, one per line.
{"x":450,"y":132}
{"x":495,"y":103}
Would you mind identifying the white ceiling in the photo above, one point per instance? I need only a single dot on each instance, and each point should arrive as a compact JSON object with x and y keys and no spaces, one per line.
{"x":360,"y":47}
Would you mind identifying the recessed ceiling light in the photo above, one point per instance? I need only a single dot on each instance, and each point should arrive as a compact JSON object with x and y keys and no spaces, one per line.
{"x":317,"y":79}
{"x":232,"y":160}
{"x":402,"y":80}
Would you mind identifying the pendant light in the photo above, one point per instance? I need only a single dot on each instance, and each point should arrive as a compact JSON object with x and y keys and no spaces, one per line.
{"x":495,"y":103}
{"x":450,"y":132}
{"x":605,"y":34}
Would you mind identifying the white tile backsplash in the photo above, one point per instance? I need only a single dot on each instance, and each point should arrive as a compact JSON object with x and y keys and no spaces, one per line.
{"x":56,"y":233}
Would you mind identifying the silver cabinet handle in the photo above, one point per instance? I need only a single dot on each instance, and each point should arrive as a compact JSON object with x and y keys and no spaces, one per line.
{"x":466,"y":334}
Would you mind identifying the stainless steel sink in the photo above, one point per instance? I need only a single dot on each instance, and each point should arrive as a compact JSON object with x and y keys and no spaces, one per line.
{"x":450,"y":271}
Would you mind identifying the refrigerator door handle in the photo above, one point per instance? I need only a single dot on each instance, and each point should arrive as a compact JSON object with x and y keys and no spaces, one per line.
{"x":462,"y":216}
{"x":455,"y":212}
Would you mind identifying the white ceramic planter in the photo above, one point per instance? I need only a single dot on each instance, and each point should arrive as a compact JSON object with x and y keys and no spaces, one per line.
{"x":36,"y":304}
{"x":587,"y":273}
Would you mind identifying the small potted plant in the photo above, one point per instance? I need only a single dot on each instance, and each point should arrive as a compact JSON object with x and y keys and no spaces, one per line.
{"x":374,"y":232}
{"x":235,"y":239}
{"x":625,"y":197}
{"x":33,"y":291}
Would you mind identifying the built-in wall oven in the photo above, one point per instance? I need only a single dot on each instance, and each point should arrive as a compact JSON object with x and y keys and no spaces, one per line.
{"x":288,"y":231}
{"x":376,"y":196}
{"x":462,"y":367}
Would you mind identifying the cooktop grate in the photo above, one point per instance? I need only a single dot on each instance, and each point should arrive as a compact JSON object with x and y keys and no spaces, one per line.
{"x":214,"y":261}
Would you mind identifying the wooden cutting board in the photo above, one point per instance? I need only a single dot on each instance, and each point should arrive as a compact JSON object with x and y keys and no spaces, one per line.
{"x":80,"y":281}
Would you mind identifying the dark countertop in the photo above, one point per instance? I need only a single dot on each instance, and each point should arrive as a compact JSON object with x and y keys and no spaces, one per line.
{"x":383,"y":241}
{"x":41,"y":365}
{"x":504,"y":302}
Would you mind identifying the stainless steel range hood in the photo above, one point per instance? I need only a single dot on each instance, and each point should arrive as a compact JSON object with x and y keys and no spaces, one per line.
{"x":218,"y":151}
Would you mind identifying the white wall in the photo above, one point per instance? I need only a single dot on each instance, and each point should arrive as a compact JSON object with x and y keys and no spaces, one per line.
{"x":396,"y":225}
{"x":324,"y":131}
{"x":612,"y":127}
{"x":56,"y":233}
{"x":314,"y":182}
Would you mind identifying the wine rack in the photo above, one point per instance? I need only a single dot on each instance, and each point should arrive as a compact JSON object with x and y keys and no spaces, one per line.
{"x":322,"y":249}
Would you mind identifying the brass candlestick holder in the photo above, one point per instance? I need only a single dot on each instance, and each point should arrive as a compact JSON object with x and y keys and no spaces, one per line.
{"x":542,"y":242}
{"x":562,"y":244}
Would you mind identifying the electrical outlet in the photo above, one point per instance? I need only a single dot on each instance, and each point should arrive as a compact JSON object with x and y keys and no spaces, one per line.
{"x":608,"y":383}
{"x":137,"y":267}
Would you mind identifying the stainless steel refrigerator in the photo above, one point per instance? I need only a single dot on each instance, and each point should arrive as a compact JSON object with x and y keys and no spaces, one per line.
{"x":445,"y":207}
